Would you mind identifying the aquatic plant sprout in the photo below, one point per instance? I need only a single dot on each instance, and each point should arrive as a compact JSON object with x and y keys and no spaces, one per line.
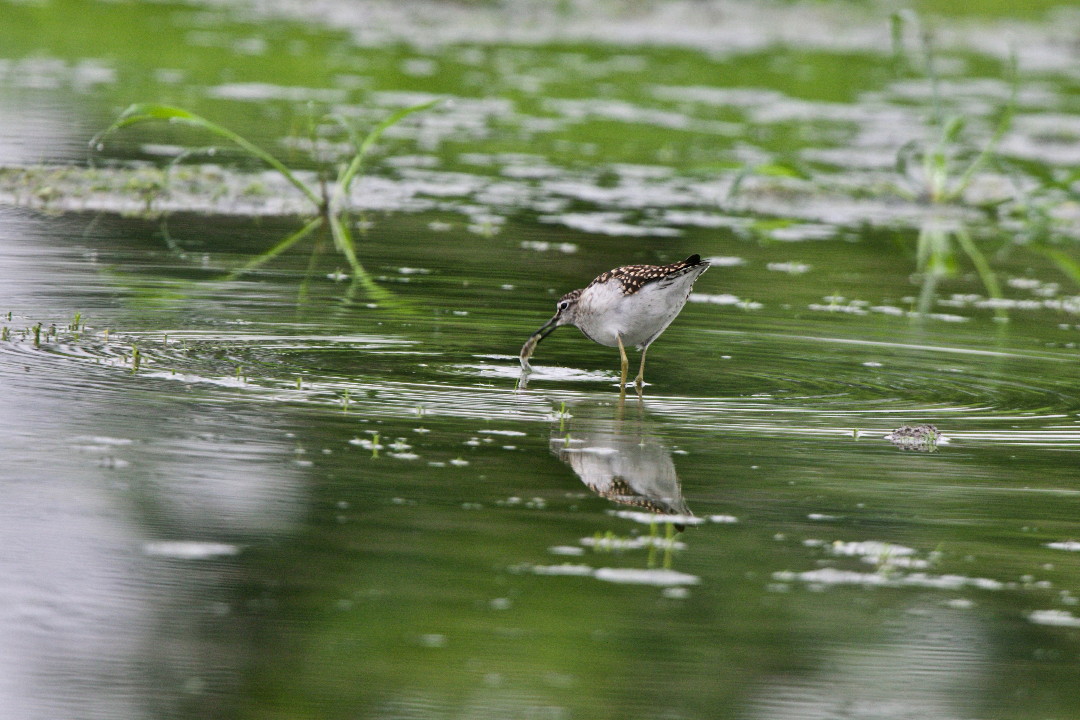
{"x":330,"y":201}
{"x":941,"y":172}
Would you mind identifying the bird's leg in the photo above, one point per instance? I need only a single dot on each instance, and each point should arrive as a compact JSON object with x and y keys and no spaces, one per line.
{"x":625,"y":365}
{"x":639,"y":381}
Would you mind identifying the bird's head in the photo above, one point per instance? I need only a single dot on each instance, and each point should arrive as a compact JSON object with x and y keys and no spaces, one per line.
{"x":565,"y":314}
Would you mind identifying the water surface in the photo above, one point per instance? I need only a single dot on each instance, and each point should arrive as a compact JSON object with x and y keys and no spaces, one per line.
{"x":292,"y":494}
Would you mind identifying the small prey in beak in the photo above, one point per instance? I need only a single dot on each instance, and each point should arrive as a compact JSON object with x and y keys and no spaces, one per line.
{"x":626,"y":307}
{"x":530,"y":345}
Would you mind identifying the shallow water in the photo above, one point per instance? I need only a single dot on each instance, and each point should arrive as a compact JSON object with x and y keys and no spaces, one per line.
{"x":292,"y":495}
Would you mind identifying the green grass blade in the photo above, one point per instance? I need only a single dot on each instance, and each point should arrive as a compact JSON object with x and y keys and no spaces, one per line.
{"x":933,"y":251}
{"x":896,"y":32}
{"x":982,"y":266}
{"x":999,"y":132}
{"x":737,"y":183}
{"x":281,"y":247}
{"x":927,"y":290}
{"x":950,"y":133}
{"x":343,"y":241}
{"x":350,"y":172}
{"x":145,"y":112}
{"x":1064,"y":261}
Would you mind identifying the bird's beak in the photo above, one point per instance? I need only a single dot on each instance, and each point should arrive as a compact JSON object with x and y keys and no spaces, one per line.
{"x":534,"y":340}
{"x":547,"y":329}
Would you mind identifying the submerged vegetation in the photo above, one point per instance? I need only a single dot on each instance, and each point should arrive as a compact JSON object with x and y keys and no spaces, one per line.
{"x":330,"y":210}
{"x":941,"y":172}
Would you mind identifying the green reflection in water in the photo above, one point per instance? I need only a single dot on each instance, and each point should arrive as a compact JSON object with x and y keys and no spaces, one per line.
{"x":831,"y":572}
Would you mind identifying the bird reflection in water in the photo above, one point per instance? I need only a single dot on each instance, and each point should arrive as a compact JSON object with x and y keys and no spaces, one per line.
{"x":621,"y":459}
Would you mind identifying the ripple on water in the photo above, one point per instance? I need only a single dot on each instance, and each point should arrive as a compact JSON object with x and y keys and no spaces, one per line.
{"x":537,"y":372}
{"x":978,"y":404}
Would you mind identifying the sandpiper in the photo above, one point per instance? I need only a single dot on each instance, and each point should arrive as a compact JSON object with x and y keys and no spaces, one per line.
{"x":630,"y":305}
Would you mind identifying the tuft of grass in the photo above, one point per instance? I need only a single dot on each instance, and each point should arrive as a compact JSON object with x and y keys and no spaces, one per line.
{"x":330,"y":210}
{"x":563,"y":414}
{"x":941,"y":171}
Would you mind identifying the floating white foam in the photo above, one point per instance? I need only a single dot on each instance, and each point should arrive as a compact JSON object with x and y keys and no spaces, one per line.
{"x":725,"y":299}
{"x":650,"y":518}
{"x":632,"y":543}
{"x":834,"y":576}
{"x":266,"y":91}
{"x":869,"y":548}
{"x":566,"y":550}
{"x":1060,"y":618}
{"x":725,"y":261}
{"x":1070,"y":545}
{"x":564,"y":569}
{"x":791,"y":268}
{"x":721,"y":299}
{"x":607,"y":223}
{"x":626,"y":576}
{"x":189,"y":549}
{"x":633,"y":576}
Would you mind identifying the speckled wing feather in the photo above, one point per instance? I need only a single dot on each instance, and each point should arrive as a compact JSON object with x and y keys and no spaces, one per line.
{"x":634,"y":277}
{"x":621,"y":492}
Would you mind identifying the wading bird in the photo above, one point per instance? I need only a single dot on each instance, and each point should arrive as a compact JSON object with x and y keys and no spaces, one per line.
{"x":630,"y":305}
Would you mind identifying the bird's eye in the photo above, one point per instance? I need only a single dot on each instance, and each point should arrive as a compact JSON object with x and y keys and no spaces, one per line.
{"x":563,"y":305}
